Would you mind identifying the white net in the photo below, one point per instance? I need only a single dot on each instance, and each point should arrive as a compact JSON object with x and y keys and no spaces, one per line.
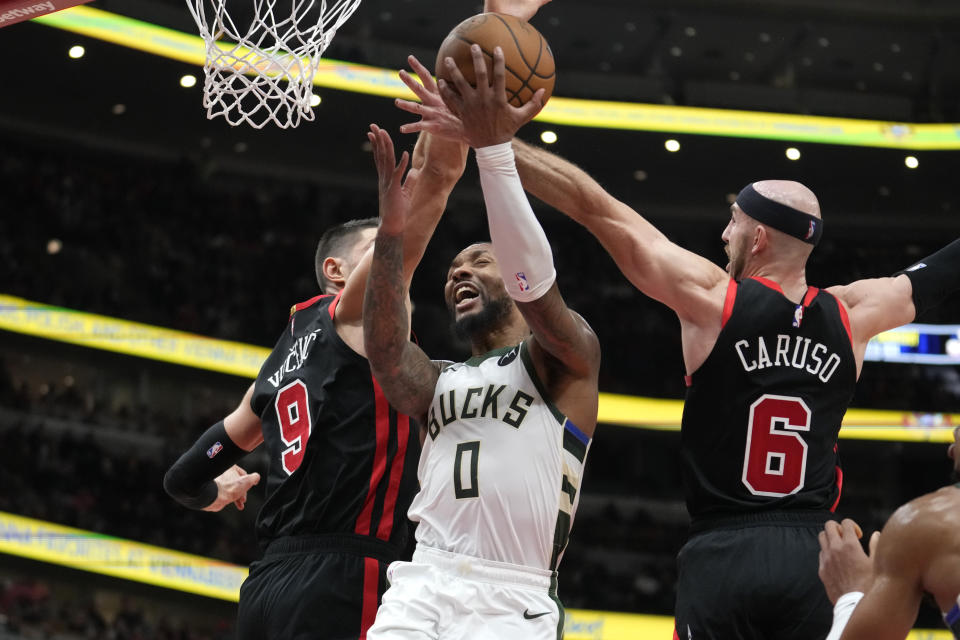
{"x":262,"y":70}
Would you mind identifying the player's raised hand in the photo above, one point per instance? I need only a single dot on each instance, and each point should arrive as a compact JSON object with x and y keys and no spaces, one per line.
{"x":844,"y":567}
{"x":523,"y":9}
{"x":487,"y":117}
{"x":395,"y":191}
{"x":435,"y":117}
{"x":232,"y":486}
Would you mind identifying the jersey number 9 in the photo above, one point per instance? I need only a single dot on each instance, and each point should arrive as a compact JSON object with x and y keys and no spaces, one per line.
{"x":293,"y":415}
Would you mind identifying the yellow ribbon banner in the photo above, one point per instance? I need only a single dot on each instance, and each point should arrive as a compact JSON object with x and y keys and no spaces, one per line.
{"x":131,"y":338}
{"x":601,"y":625}
{"x":97,"y":553}
{"x":347,"y":76}
{"x":146,"y":341}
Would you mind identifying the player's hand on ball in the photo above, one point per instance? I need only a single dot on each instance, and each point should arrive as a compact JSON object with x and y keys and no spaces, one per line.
{"x":396,"y":192}
{"x":435,"y":117}
{"x":487,"y":117}
{"x":232,"y":486}
{"x":844,"y":567}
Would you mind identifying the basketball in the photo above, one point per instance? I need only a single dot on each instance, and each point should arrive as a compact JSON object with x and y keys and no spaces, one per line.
{"x":527,"y":56}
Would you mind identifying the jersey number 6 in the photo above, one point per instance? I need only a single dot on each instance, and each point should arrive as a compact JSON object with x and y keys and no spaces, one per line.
{"x":293,"y":414}
{"x":775,"y":459}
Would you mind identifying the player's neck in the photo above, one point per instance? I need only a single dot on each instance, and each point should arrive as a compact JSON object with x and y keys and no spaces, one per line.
{"x":792,"y":280}
{"x":506,"y":335}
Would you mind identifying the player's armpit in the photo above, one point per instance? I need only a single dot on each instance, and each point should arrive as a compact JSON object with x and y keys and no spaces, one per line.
{"x":875,"y":305}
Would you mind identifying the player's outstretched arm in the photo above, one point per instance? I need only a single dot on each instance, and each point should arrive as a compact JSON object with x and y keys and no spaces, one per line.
{"x":687,"y":283}
{"x":564,"y":345}
{"x":439,"y":164}
{"x":894,"y":590}
{"x":879,"y":304}
{"x":206,"y":476}
{"x":405,"y":373}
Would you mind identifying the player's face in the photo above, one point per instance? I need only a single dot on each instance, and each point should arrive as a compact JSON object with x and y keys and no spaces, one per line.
{"x":363,"y":240}
{"x":474,"y":292}
{"x":736,"y":238}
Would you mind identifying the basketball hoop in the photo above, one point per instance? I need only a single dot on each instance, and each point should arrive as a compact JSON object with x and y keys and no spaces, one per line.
{"x":263,"y":71}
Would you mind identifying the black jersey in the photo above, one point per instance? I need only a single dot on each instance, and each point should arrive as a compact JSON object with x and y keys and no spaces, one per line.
{"x":342,"y":460}
{"x":762,"y":413}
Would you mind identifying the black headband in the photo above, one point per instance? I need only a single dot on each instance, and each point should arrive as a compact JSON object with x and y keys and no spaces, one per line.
{"x":780,"y":216}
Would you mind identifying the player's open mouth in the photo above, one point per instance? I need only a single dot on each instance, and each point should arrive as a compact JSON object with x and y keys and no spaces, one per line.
{"x":464,"y":295}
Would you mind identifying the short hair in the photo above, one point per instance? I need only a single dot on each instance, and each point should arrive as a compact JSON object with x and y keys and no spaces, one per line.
{"x":337,"y":241}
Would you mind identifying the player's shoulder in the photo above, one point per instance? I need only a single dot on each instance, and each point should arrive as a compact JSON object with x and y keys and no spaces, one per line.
{"x":926,"y":519}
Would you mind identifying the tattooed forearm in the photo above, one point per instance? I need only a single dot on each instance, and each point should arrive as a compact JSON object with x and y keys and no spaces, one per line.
{"x":404,"y":372}
{"x":384,"y":315}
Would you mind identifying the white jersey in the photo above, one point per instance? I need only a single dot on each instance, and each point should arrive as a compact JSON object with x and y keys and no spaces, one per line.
{"x":501,"y":466}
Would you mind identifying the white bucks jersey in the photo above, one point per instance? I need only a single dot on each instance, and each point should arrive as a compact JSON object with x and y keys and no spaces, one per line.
{"x":501,"y":466}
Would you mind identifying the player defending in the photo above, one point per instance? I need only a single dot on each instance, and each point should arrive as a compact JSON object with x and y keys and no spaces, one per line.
{"x":918,"y":552}
{"x":771,"y":366}
{"x":342,"y":461}
{"x":507,"y":431}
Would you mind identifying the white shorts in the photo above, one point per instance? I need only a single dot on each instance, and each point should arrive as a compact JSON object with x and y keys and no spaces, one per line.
{"x":451,"y":596}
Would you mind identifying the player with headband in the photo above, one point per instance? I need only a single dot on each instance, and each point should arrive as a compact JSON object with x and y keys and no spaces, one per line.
{"x":771,"y":366}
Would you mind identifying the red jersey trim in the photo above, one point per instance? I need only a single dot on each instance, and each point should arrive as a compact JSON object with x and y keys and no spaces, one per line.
{"x":371,"y":585}
{"x":839,"y":489}
{"x":396,"y":474}
{"x":307,"y":303}
{"x":845,"y":319}
{"x":379,"y":459}
{"x":333,"y":305}
{"x":728,"y":303}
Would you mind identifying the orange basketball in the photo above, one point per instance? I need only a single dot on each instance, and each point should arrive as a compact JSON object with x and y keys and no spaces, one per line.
{"x":527,"y":56}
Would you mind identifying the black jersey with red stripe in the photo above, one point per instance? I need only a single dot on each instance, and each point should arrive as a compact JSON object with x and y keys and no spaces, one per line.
{"x":762,"y":413}
{"x":342,"y":460}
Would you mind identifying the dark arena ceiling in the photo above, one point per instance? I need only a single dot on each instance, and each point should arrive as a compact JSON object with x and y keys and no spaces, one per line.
{"x":895,"y":60}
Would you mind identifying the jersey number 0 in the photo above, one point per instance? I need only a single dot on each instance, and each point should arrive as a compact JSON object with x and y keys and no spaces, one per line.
{"x":775,"y":459}
{"x":293,"y":415}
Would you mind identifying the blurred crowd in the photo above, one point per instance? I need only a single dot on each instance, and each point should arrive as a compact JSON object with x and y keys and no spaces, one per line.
{"x":37,"y":609}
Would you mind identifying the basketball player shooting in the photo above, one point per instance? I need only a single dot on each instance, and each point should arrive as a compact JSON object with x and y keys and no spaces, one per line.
{"x":917,"y":553}
{"x":342,"y":462}
{"x":507,"y":431}
{"x":771,"y":365}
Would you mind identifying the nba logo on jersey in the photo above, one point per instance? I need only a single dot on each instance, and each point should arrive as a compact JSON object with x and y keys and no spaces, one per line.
{"x":214,"y":450}
{"x":798,"y":315}
{"x":522,"y":281}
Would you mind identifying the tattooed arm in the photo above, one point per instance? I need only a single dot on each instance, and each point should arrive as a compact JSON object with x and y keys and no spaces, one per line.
{"x":408,"y":377}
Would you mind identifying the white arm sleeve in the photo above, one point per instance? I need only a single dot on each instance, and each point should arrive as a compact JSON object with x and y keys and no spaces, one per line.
{"x":842,"y":612}
{"x":519,"y":243}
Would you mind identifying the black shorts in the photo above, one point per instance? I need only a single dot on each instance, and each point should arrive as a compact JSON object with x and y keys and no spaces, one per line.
{"x":753,"y":578}
{"x":314,"y":588}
